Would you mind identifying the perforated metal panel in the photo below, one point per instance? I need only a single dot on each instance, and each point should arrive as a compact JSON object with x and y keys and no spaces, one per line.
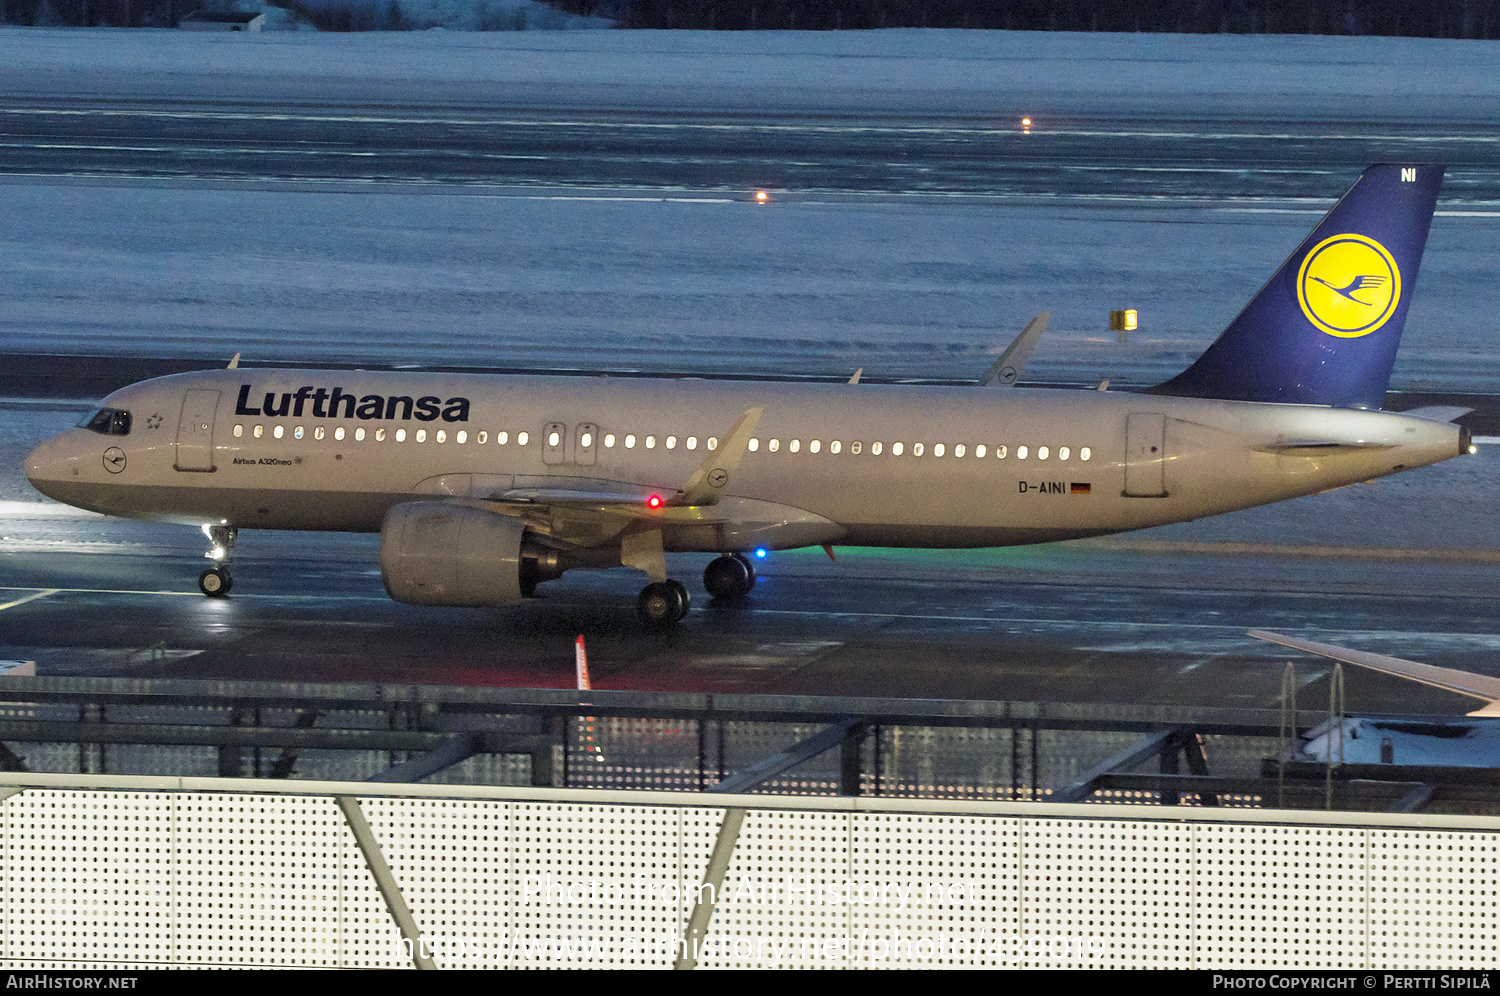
{"x":934,"y":891}
{"x":781,"y":904}
{"x":598,"y":886}
{"x":452,"y":858}
{"x":1280,"y":896}
{"x":633,"y":752}
{"x":89,"y":876}
{"x":1433,"y":899}
{"x":260,"y":879}
{"x":139,"y":878}
{"x":1105,"y":893}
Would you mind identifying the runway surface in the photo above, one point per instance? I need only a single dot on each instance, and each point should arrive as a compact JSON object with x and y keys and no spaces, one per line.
{"x":799,"y":153}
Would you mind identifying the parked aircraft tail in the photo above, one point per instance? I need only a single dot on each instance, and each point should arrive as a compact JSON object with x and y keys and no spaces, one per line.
{"x":1324,"y":329}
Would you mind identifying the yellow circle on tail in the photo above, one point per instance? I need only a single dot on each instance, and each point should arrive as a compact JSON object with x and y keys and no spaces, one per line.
{"x":1349,"y":285}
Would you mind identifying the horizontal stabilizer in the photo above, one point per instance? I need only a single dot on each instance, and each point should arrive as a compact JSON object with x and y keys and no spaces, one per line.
{"x":1439,"y":413}
{"x":1477,"y":686}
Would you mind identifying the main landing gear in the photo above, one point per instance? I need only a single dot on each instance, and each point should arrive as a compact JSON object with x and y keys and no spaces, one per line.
{"x":663,"y":604}
{"x":729,"y":577}
{"x":216,"y":581}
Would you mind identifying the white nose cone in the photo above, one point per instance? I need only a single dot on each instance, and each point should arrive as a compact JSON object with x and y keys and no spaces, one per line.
{"x":49,"y":465}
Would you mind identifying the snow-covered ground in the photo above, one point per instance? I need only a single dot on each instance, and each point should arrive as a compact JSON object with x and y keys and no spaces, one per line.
{"x":901,"y":287}
{"x":710,"y":286}
{"x":1039,"y":73}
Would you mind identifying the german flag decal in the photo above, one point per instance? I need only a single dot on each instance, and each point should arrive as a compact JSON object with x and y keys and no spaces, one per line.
{"x":1079,"y":489}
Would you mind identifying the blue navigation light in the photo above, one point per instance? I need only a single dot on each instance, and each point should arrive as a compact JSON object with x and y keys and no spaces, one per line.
{"x":760,"y":552}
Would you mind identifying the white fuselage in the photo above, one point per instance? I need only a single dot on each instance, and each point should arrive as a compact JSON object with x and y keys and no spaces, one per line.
{"x":838,"y":464}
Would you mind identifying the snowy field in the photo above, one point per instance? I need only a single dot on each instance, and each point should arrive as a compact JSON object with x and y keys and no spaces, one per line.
{"x":431,"y":275}
{"x":916,"y":287}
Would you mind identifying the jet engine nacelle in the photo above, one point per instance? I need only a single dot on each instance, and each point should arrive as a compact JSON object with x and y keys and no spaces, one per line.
{"x":437,"y":553}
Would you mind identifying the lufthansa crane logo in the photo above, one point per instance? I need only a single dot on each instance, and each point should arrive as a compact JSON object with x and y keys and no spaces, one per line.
{"x":1348,"y":285}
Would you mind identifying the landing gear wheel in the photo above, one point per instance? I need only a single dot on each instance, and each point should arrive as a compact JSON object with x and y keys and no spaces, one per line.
{"x":729,"y":577}
{"x":662,"y":604}
{"x":215,"y":582}
{"x":684,"y":600}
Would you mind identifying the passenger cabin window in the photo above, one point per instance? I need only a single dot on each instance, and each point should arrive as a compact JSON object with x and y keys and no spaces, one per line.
{"x":107,"y":421}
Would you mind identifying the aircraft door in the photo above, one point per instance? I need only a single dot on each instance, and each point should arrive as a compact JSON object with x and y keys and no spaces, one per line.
{"x":587,"y":440}
{"x":1145,"y":455}
{"x":554,"y":443}
{"x":195,"y":431}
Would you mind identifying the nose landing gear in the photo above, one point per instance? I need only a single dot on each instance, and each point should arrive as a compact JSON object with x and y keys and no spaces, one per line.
{"x":216,"y":581}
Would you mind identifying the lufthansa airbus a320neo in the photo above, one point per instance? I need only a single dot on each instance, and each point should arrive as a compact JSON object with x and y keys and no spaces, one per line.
{"x":484,"y":486}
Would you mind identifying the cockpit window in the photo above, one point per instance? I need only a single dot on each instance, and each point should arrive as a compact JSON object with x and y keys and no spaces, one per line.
{"x":107,"y":421}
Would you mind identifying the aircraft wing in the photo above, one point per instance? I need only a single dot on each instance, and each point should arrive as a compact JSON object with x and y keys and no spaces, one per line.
{"x":1477,"y":686}
{"x":588,"y":518}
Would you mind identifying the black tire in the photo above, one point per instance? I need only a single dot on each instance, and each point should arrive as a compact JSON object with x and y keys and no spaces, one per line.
{"x":685,"y":600}
{"x":661,"y":605}
{"x":729,"y":577}
{"x":215,"y":582}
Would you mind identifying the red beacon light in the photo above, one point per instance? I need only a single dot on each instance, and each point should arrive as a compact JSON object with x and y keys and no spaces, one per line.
{"x":654,"y":501}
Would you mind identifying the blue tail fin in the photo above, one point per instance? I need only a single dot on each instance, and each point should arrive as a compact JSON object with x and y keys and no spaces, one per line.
{"x":1324,"y":329}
